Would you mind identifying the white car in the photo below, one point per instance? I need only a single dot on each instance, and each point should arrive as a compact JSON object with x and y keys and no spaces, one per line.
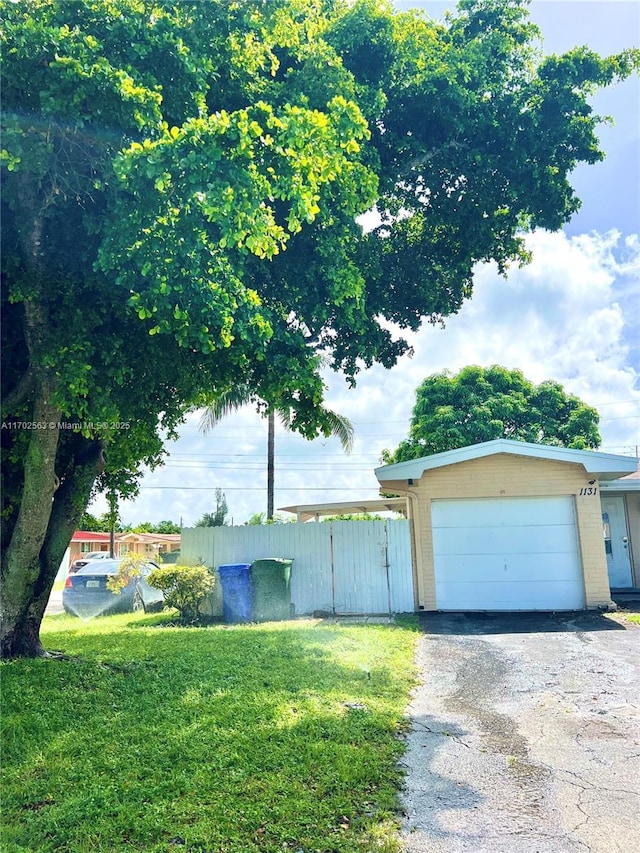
{"x":83,"y":559}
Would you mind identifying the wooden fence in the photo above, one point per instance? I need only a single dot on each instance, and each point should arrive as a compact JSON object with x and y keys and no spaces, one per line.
{"x":360,"y":567}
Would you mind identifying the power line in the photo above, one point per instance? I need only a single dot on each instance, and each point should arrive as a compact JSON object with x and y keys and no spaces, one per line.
{"x":258,"y":466}
{"x":261,"y":488}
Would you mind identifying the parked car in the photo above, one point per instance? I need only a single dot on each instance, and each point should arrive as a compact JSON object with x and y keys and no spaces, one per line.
{"x":86,"y":593}
{"x":85,"y":558}
{"x":170,"y":557}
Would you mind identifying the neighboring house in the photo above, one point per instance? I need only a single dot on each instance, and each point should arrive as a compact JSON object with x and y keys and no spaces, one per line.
{"x":147,"y":544}
{"x":85,"y":541}
{"x":151,"y":545}
{"x":507,"y":525}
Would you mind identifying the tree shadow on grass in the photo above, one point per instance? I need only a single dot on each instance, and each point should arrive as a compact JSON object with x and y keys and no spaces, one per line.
{"x":249,"y":738}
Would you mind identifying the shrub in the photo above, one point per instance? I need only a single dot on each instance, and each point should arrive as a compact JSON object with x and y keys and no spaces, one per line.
{"x":130,"y":568}
{"x":184,"y":587}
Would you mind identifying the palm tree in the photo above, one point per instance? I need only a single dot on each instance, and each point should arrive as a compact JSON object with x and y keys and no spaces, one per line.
{"x":339,"y":427}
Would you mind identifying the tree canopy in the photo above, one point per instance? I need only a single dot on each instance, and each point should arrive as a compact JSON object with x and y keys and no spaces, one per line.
{"x":182,"y":187}
{"x":484,"y":403}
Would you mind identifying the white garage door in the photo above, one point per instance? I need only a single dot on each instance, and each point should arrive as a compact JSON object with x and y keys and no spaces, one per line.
{"x":506,"y":554}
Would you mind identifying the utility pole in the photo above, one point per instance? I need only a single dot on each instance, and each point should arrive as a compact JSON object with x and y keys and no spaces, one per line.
{"x":113,"y":516}
{"x":271,"y":447}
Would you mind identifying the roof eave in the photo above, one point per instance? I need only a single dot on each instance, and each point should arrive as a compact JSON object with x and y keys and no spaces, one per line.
{"x":606,"y":466}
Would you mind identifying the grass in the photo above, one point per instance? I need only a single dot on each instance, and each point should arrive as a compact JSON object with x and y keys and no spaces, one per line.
{"x":627,"y":613}
{"x":272,"y":737}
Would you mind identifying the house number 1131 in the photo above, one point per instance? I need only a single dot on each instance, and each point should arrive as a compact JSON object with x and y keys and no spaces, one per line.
{"x":589,"y":490}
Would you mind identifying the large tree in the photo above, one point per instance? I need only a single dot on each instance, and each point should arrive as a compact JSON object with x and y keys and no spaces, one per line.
{"x":182,"y":185}
{"x":483,"y":403}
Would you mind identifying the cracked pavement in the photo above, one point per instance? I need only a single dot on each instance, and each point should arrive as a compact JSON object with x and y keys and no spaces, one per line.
{"x":525,"y":735}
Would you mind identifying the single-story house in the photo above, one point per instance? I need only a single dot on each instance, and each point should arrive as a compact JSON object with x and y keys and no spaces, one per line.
{"x":508,"y":525}
{"x":143,"y":544}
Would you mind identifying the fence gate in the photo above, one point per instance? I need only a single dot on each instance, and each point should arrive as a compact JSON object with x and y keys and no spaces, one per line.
{"x":360,"y":567}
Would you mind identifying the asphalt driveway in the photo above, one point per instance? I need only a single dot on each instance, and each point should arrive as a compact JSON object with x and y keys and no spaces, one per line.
{"x":525,"y":736}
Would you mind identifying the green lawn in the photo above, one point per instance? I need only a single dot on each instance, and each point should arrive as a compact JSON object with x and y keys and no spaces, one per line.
{"x":272,"y":737}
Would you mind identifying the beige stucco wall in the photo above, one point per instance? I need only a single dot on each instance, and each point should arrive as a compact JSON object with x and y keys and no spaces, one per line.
{"x":499,"y":476}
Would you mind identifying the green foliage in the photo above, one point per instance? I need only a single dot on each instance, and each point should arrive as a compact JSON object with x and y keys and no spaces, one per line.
{"x":129,"y":568}
{"x":480,"y":404}
{"x":91,"y":523}
{"x":261,"y":518}
{"x":184,"y":587}
{"x":251,"y":738}
{"x":104,"y":524}
{"x":355,"y":516}
{"x":166,"y":527}
{"x":256,"y":519}
{"x":143,"y":527}
{"x":218,"y":518}
{"x":160,"y":527}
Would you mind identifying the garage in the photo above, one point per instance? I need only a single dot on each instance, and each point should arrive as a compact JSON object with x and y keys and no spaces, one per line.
{"x":506,"y":554}
{"x":507,"y":525}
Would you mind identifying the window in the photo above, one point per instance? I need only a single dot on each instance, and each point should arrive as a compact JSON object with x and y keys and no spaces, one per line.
{"x":606,"y":530}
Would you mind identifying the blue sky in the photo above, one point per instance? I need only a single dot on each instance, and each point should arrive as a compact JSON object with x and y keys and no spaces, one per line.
{"x":572,"y":315}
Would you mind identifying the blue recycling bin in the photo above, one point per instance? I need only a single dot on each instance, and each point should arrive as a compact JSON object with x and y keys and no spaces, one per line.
{"x":237,"y":592}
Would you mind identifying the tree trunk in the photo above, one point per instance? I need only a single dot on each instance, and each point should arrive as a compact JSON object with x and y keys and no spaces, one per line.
{"x":271,"y":445}
{"x":21,"y":585}
{"x":113,"y":518}
{"x":21,"y":567}
{"x":22,"y":635}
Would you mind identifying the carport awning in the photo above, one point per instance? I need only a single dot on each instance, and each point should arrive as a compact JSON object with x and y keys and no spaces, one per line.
{"x":306,"y":512}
